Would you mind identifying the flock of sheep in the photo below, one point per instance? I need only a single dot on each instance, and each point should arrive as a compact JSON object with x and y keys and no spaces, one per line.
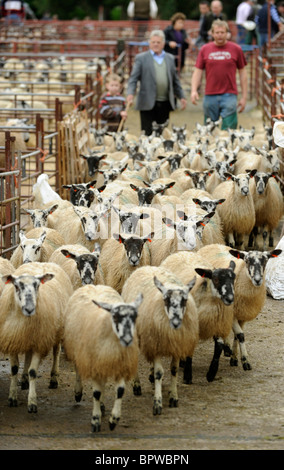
{"x":163,"y":246}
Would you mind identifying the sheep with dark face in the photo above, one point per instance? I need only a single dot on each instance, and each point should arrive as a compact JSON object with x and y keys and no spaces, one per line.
{"x":213,"y":294}
{"x":93,"y":162}
{"x":121,"y":255}
{"x":81,"y":265}
{"x":250,"y":290}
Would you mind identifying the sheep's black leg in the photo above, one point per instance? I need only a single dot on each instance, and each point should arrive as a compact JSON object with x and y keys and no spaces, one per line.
{"x":213,"y":369}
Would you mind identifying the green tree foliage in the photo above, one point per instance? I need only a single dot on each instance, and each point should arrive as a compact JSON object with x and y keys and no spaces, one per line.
{"x":69,"y":9}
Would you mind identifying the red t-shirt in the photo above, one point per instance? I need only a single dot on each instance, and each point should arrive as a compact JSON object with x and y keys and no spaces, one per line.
{"x":220,"y":64}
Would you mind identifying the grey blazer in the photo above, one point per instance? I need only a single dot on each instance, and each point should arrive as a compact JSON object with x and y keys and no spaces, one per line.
{"x":143,"y":71}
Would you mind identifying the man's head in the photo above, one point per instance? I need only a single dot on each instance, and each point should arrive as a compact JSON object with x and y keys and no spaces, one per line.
{"x":157,"y":41}
{"x":216,"y":7}
{"x":219,"y":32}
{"x":204,"y":7}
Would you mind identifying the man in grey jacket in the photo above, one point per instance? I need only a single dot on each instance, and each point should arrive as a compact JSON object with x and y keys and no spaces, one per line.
{"x":159,"y":83}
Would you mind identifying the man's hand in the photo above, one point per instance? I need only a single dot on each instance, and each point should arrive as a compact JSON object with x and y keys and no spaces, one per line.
{"x":183,"y":103}
{"x":241,"y":105}
{"x":130,"y":99}
{"x":194,"y":97}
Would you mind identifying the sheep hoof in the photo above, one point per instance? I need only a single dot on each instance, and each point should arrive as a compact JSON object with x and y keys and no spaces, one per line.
{"x":227,"y":350}
{"x":12,"y":402}
{"x":233,"y":362}
{"x":187,"y":381}
{"x":113,"y":422}
{"x":137,"y":390}
{"x":53,"y":383}
{"x":157,"y":408}
{"x":32,"y":408}
{"x":78,"y":396}
{"x":173,"y":403}
{"x":246,"y":366}
{"x":96,"y":427}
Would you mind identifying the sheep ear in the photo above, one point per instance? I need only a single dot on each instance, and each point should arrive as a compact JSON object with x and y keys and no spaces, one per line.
{"x":8,"y":279}
{"x":220,"y":201}
{"x":135,"y":188}
{"x":232,"y":265}
{"x":204,"y":272}
{"x":159,"y":285}
{"x":274,"y":253}
{"x":237,"y":254}
{"x":43,"y":236}
{"x":118,"y":237}
{"x":196,"y":200}
{"x":22,"y":236}
{"x":101,"y":188}
{"x":103,"y":305}
{"x":144,"y":216}
{"x":53,"y":208}
{"x":191,"y":284}
{"x":68,"y":254}
{"x":182,"y":215}
{"x":149,"y":237}
{"x":168,"y":222}
{"x":45,"y":277}
{"x":138,"y":301}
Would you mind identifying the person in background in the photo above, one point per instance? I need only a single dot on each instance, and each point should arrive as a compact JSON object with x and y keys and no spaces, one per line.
{"x":156,"y":73}
{"x":252,"y":33}
{"x":280,"y":10}
{"x":177,"y":41}
{"x":13,"y":11}
{"x":243,"y":12}
{"x":262,"y":24}
{"x":142,"y":10}
{"x":29,"y":14}
{"x":112,"y":104}
{"x":216,"y":13}
{"x":204,"y":9}
{"x":220,"y":58}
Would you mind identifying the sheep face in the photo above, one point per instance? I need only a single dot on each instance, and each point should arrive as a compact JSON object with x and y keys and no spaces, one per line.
{"x":123,"y":318}
{"x":179,"y":133}
{"x":31,"y":247}
{"x":113,"y":173}
{"x":133,"y":247}
{"x":175,"y":301}
{"x":86,"y":263}
{"x":185,"y":230}
{"x":222,"y":284}
{"x":26,"y":290}
{"x":241,"y":181}
{"x":146,"y":195}
{"x":39,"y":216}
{"x":199,"y":178}
{"x":93,"y":162}
{"x":129,"y":220}
{"x":157,"y":129}
{"x":208,"y":205}
{"x":89,"y":221}
{"x":255,"y":262}
{"x":261,"y":181}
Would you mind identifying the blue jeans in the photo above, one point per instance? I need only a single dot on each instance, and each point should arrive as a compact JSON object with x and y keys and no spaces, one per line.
{"x":225,"y":106}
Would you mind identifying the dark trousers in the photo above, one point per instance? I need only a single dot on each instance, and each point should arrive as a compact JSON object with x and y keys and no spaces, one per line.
{"x":160,"y":113}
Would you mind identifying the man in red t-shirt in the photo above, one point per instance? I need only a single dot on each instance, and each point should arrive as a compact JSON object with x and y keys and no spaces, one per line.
{"x":220,"y":59}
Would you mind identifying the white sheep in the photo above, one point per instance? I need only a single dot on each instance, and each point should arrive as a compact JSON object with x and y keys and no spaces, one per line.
{"x":250,"y":290}
{"x":36,"y":245}
{"x":81,"y":265}
{"x":6,"y":267}
{"x":123,"y":254}
{"x":31,"y":322}
{"x":39,"y":217}
{"x":213,"y":294}
{"x":268,"y":205}
{"x":100,"y":339}
{"x":237,"y":211}
{"x":167,"y":325}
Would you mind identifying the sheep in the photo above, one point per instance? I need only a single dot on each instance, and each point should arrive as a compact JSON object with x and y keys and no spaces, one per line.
{"x":167,"y":325}
{"x":121,"y":255}
{"x":82,"y":225}
{"x":81,"y":265}
{"x":185,"y":236}
{"x":202,"y":198}
{"x":129,"y":219}
{"x":43,"y":193}
{"x":269,"y":207}
{"x":31,"y":322}
{"x":39,"y":217}
{"x":93,"y":160}
{"x":101,"y":340}
{"x":6,"y":267}
{"x":213,"y":294}
{"x":237,"y":211}
{"x":250,"y":290}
